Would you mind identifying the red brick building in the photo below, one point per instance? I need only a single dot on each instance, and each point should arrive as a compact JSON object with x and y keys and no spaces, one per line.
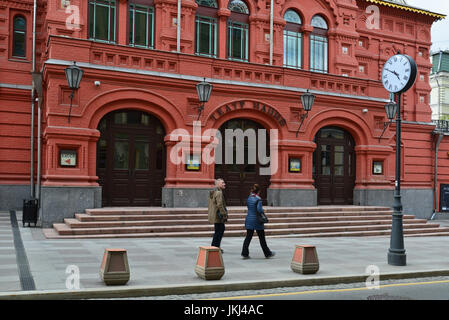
{"x":138,"y":86}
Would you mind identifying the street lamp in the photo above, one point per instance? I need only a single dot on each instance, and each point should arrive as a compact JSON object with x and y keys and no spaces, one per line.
{"x":204,"y":89}
{"x":73,"y":74}
{"x":391,"y":110}
{"x":398,"y":75}
{"x":307,"y":100}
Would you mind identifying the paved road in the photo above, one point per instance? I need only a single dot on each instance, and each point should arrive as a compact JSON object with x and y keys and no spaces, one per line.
{"x":436,"y":288}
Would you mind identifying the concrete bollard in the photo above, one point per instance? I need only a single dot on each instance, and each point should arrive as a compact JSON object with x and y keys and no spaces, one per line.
{"x":114,"y":268}
{"x":305,"y":259}
{"x":209,"y":264}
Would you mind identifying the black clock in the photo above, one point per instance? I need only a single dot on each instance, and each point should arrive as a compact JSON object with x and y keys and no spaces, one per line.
{"x":399,"y":73}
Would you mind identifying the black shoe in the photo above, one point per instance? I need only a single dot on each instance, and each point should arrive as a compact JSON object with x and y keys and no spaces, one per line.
{"x":271,"y":255}
{"x":222,"y":251}
{"x":245,"y":257}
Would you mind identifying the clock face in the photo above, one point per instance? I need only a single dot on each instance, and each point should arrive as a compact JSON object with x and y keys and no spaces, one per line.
{"x":399,"y":73}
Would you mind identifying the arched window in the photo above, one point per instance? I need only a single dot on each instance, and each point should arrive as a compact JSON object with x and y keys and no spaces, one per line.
{"x":19,"y":37}
{"x":318,"y":45}
{"x":206,"y":28}
{"x":292,"y":40}
{"x":141,"y":24}
{"x":238,"y":31}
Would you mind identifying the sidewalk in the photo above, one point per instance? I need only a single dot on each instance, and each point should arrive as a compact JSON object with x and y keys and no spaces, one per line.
{"x":166,"y":265}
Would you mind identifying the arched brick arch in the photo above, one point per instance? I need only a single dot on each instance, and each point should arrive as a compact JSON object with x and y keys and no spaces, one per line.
{"x":131,"y":98}
{"x":354,"y":124}
{"x":263,"y":118}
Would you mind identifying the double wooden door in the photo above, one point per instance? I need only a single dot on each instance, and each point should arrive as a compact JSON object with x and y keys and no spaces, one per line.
{"x":240,"y":177}
{"x":131,"y":159}
{"x":334,"y":166}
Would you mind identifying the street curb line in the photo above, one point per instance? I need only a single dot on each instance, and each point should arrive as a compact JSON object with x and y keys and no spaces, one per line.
{"x":148,"y":291}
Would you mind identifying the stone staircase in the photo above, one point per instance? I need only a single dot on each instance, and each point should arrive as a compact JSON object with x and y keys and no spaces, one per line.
{"x":320,"y":221}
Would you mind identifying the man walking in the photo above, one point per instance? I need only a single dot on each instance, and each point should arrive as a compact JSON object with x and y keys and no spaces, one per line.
{"x":217,"y":203}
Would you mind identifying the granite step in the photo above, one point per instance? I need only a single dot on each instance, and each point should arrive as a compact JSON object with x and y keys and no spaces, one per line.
{"x":203,"y":216}
{"x":274,"y":223}
{"x":284,"y":222}
{"x":64,"y":229}
{"x":82,"y":217}
{"x":53,"y":234}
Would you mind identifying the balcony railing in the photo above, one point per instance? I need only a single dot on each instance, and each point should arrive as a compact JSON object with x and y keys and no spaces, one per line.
{"x":441,"y":125}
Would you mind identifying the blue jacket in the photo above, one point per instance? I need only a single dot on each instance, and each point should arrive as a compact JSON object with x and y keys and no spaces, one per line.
{"x":254,"y":204}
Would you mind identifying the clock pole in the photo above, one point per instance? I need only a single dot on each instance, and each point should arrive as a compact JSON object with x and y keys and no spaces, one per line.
{"x":396,"y":253}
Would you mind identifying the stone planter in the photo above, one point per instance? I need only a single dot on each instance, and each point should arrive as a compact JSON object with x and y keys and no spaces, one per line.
{"x":209,"y":264}
{"x":114,"y":268}
{"x":305,"y":259}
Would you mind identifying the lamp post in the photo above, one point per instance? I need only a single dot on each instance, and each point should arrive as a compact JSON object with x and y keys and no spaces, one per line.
{"x":204,"y":89}
{"x":307,"y":100}
{"x":396,"y":252}
{"x":398,"y":75}
{"x":73,"y":74}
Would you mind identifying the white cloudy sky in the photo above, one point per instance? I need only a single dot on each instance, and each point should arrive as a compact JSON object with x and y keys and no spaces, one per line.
{"x":440,"y":29}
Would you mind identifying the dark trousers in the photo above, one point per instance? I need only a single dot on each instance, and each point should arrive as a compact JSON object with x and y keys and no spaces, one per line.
{"x":263,"y":242}
{"x":219,"y":231}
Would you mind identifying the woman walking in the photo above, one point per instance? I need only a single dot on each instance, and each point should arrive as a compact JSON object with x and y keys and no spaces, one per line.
{"x":254,"y":204}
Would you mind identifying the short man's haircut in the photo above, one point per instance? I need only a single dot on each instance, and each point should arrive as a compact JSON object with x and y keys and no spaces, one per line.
{"x":217,"y":181}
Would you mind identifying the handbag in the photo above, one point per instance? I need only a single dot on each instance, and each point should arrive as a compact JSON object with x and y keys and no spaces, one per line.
{"x":261,"y":216}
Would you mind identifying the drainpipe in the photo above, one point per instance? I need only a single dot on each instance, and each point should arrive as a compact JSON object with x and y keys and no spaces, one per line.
{"x":178,"y":28}
{"x":33,"y":69}
{"x":271,"y":32}
{"x":435,"y":179}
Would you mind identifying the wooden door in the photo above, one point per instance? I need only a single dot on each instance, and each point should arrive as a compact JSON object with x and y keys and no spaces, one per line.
{"x":131,"y":159}
{"x":240,"y":177}
{"x":334,"y":167}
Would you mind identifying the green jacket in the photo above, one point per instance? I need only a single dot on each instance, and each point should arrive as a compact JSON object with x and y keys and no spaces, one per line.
{"x":217,"y":202}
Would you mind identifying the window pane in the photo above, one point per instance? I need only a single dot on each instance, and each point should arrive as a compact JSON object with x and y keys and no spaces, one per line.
{"x":102,"y":153}
{"x":318,"y":22}
{"x":142,"y":155}
{"x":140,"y":28}
{"x":238,"y":6}
{"x":121,"y":155}
{"x":207,"y":3}
{"x":318,"y":54}
{"x":19,"y":24}
{"x":292,"y":16}
{"x":325,"y":160}
{"x":18,"y":44}
{"x":238,"y":41}
{"x":292,"y":49}
{"x":101,"y":22}
{"x":205,"y":36}
{"x":91,"y":20}
{"x":330,"y":133}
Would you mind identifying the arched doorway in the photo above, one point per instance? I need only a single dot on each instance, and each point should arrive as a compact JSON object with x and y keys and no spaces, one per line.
{"x":334,"y":166}
{"x":131,"y":159}
{"x":240,"y":177}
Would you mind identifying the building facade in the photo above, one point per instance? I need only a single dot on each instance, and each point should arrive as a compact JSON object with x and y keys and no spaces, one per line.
{"x":137,"y":103}
{"x":439,"y":82}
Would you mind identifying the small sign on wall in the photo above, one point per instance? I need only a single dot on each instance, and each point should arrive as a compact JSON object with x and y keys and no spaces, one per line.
{"x":67,"y":158}
{"x":193,"y":163}
{"x":378,"y":167}
{"x":294,"y":165}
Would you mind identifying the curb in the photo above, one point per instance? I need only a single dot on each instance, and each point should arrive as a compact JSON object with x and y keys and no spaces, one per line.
{"x":207,"y":287}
